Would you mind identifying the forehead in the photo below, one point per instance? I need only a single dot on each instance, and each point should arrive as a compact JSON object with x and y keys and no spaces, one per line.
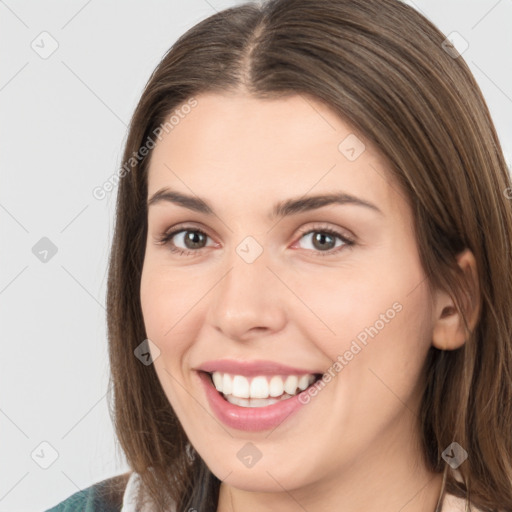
{"x":283,"y":124}
{"x":235,"y":147}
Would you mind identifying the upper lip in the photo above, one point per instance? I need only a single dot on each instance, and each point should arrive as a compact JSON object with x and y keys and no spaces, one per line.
{"x":252,"y":368}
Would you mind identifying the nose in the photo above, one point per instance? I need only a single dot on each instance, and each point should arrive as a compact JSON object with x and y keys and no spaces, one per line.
{"x":249,"y":300}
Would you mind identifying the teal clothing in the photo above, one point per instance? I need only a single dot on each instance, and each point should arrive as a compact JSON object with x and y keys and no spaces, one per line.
{"x":104,"y":496}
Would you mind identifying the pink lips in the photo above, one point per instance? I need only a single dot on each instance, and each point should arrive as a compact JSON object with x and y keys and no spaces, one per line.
{"x":252,"y":368}
{"x":249,"y":418}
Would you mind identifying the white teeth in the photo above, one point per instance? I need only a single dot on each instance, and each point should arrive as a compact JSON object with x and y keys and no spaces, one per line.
{"x":276,"y":386}
{"x":304,"y":382}
{"x":261,"y":389}
{"x":217,"y":381}
{"x":227,"y":386}
{"x":240,"y":386}
{"x":290,"y":386}
{"x":252,"y":402}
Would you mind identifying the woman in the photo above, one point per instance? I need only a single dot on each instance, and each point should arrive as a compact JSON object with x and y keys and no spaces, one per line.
{"x":309,"y":291}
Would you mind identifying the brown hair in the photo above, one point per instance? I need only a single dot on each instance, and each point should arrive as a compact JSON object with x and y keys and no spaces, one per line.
{"x":393,"y":81}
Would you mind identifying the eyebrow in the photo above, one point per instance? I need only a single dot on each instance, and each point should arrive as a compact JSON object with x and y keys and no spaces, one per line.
{"x":281,"y":209}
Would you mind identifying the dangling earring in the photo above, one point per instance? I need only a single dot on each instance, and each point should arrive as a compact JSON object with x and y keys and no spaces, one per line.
{"x":190,"y":453}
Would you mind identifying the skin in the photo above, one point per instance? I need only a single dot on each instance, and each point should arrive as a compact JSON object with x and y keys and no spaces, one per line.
{"x":354,"y":447}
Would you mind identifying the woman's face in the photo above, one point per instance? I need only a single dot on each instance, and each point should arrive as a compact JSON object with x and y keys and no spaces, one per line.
{"x":332,"y":287}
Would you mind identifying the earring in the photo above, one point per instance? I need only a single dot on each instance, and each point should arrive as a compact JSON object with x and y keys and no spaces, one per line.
{"x":190,"y":453}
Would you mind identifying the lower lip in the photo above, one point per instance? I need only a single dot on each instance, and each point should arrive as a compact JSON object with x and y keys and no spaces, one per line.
{"x":249,"y":418}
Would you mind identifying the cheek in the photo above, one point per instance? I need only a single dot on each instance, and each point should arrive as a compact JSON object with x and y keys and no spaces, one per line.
{"x":383,"y":306}
{"x":165,"y":303}
{"x":164,"y":312}
{"x":341,"y":303}
{"x":154,"y":304}
{"x":380,"y":344}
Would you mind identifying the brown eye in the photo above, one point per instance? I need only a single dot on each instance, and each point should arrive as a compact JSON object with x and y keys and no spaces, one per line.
{"x":185,"y":240}
{"x":194,"y":239}
{"x":322,"y":241}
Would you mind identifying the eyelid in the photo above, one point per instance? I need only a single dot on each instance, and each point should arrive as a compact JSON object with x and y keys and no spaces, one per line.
{"x":344,"y":233}
{"x":175,"y":229}
{"x":347,"y":239}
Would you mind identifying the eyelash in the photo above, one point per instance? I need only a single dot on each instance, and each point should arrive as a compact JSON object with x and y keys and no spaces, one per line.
{"x":166,"y":238}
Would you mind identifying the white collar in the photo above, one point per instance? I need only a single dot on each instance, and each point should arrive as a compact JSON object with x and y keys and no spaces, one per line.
{"x":131,"y":495}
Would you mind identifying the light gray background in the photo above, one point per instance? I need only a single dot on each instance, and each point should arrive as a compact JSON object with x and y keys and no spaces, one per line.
{"x":64,"y":122}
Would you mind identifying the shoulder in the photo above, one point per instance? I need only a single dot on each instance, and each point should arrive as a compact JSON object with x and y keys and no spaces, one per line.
{"x":104,"y":496}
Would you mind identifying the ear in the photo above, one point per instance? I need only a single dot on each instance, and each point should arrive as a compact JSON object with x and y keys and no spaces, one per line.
{"x":449,"y":331}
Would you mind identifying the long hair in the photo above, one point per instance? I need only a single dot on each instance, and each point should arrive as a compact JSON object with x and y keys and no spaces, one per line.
{"x":386,"y":70}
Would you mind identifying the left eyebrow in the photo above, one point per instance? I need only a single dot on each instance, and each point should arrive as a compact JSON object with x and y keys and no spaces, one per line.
{"x":281,"y":209}
{"x":304,"y":204}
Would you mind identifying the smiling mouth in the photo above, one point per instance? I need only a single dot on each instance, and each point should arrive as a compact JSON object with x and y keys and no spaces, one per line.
{"x":260,"y":391}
